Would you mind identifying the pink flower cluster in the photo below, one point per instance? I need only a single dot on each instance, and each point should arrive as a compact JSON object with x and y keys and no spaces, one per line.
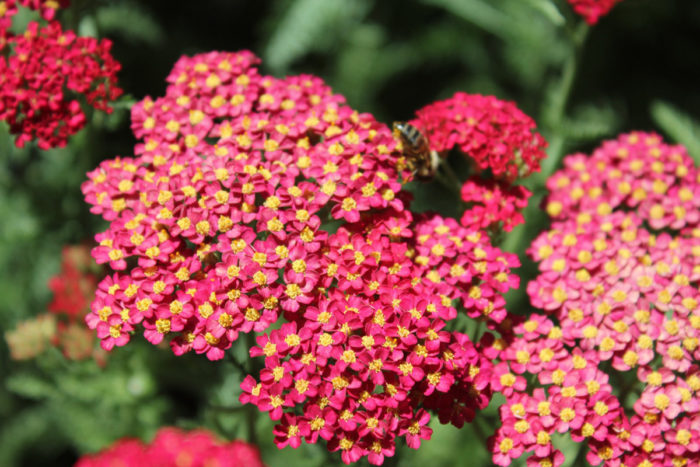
{"x":619,"y":276}
{"x":493,"y":204}
{"x":495,"y":134}
{"x":173,"y":447}
{"x":365,"y":361}
{"x":593,"y":10}
{"x":636,"y":172}
{"x":223,"y":222}
{"x":37,"y":69}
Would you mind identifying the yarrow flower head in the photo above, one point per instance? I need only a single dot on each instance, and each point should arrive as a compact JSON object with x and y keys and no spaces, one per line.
{"x":8,"y":9}
{"x":37,"y":69}
{"x":635,"y":172}
{"x":172,"y":446}
{"x":619,"y":272}
{"x":593,"y":10}
{"x":495,"y":134}
{"x":220,"y":225}
{"x":47,"y":8}
{"x":364,"y":363}
{"x":219,"y":214}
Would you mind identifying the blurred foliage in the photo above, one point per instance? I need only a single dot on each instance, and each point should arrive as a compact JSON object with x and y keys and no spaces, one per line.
{"x":388,"y":58}
{"x":679,"y":126}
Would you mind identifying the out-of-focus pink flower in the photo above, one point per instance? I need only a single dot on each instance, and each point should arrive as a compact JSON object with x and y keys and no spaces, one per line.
{"x":172,"y":446}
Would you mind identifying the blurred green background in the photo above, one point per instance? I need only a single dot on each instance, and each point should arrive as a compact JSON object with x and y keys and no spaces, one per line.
{"x":637,"y":69}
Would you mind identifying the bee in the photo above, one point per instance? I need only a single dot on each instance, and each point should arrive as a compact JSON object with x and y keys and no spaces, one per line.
{"x":420,"y":159}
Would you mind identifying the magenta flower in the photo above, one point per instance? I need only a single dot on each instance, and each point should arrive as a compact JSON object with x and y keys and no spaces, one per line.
{"x":171,"y":447}
{"x":492,"y":204}
{"x":495,"y":134}
{"x":216,"y":227}
{"x":44,"y":69}
{"x":593,"y":10}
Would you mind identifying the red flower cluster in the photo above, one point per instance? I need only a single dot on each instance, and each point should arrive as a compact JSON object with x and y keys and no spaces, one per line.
{"x":495,"y":134}
{"x":221,"y":223}
{"x":493,"y":204}
{"x":616,"y":294}
{"x":73,"y":289}
{"x":173,"y":447}
{"x":593,"y":10}
{"x":75,"y":286}
{"x":220,"y":212}
{"x":47,"y":8}
{"x":44,"y":63}
{"x":362,"y":364}
{"x":63,"y":327}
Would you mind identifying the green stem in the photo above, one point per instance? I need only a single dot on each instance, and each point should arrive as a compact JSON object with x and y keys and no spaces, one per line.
{"x":561,"y":99}
{"x":580,"y":459}
{"x":625,"y":383}
{"x":232,"y":358}
{"x":451,"y":174}
{"x":514,"y":242}
{"x":445,"y":182}
{"x":227,"y":409}
{"x":251,"y":420}
{"x":330,"y":458}
{"x":476,"y":332}
{"x":252,"y":415}
{"x":479,"y":432}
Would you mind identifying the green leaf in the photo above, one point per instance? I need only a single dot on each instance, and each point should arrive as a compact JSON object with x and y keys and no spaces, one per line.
{"x":498,"y":18}
{"x":549,"y":10}
{"x":679,"y":126}
{"x":24,"y":430}
{"x":87,"y":27}
{"x":480,"y":13}
{"x":29,"y":385}
{"x":131,"y":21}
{"x":589,"y":123}
{"x":124,"y":102}
{"x":309,"y":26}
